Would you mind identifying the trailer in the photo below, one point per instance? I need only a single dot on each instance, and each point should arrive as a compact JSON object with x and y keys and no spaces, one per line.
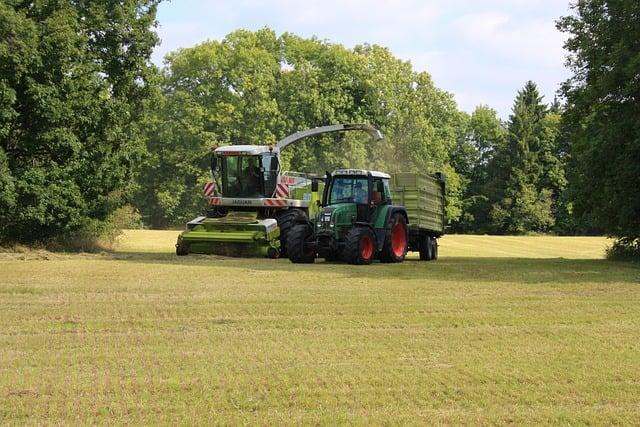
{"x":423,"y":197}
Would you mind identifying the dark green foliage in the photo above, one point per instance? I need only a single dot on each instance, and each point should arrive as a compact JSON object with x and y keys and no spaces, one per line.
{"x":256,"y":88}
{"x":528,"y":175}
{"x":74,"y":79}
{"x":602,"y":115}
{"x":482,"y":136}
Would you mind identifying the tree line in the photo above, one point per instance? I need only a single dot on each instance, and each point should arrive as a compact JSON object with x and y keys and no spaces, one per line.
{"x":88,"y":125}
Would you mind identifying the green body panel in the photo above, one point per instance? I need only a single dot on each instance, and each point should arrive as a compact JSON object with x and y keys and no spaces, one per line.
{"x":423,"y":198}
{"x":305,"y":193}
{"x":342,"y":217}
{"x":380,"y":216}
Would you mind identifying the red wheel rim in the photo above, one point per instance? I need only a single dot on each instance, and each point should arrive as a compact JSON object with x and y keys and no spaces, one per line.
{"x":398,"y":239}
{"x":366,"y":248}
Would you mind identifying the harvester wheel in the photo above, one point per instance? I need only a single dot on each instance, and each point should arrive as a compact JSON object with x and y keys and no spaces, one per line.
{"x":360,"y":246}
{"x":426,"y":248}
{"x":286,"y":221}
{"x":395,"y":243}
{"x":273,"y":253}
{"x":182,"y":248}
{"x":302,"y":249}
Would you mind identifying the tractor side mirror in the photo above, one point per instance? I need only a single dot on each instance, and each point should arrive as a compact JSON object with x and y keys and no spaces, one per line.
{"x":314,"y":185}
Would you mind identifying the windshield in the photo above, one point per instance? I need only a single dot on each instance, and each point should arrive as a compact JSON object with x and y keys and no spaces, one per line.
{"x":249,"y":176}
{"x":349,"y":190}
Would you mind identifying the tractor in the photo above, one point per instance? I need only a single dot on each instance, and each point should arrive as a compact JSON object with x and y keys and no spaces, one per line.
{"x":359,"y":222}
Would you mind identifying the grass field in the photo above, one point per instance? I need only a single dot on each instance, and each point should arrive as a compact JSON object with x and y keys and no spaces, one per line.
{"x":499,"y":330}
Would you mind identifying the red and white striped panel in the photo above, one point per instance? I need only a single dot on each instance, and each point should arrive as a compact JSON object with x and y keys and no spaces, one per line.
{"x":275,"y":202}
{"x":209,"y":188}
{"x":288,"y":180}
{"x":282,"y":191}
{"x":215,"y":201}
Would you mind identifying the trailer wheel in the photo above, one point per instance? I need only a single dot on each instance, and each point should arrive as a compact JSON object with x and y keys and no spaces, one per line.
{"x":302,"y":247}
{"x":434,"y":251}
{"x":360,"y":246}
{"x":396,"y":243}
{"x":426,"y":248}
{"x":286,"y":221}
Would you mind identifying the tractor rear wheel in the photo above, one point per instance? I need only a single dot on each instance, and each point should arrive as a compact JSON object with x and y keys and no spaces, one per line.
{"x":286,"y":221}
{"x":302,"y":248}
{"x":426,"y":248}
{"x":360,"y":246}
{"x":396,"y":243}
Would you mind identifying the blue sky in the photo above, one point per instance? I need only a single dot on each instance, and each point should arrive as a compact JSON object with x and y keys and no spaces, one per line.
{"x":481,"y":51}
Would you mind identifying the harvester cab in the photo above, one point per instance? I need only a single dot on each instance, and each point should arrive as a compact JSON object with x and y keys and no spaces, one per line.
{"x":253,"y":204}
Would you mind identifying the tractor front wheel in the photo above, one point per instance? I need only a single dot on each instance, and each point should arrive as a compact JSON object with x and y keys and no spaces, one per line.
{"x":360,"y":246}
{"x":301,"y":247}
{"x":396,"y":243}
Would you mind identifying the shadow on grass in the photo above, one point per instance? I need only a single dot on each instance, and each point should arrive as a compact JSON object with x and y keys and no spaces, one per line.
{"x":458,"y":269}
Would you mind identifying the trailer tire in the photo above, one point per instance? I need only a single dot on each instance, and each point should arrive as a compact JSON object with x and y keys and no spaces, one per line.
{"x":426,"y":248}
{"x":434,"y":251}
{"x":286,"y":221}
{"x":396,"y":240}
{"x":360,"y":246}
{"x":299,"y":250}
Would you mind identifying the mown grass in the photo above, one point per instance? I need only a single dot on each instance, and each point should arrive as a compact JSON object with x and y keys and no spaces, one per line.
{"x":499,"y":330}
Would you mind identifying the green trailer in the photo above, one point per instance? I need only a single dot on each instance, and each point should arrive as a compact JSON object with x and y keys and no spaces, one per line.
{"x":423,"y":198}
{"x":367,"y":215}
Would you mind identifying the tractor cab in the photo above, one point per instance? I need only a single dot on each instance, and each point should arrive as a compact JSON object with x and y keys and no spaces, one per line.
{"x":356,"y":192}
{"x":246,"y":171}
{"x":359,"y":187}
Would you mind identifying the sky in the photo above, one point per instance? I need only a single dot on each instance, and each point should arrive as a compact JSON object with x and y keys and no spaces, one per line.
{"x":481,"y":51}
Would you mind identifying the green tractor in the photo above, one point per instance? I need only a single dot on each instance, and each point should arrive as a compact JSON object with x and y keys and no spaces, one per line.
{"x":367,"y":215}
{"x":253,"y":205}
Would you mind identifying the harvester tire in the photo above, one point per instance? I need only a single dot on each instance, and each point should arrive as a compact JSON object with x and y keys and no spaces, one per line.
{"x":426,"y":248}
{"x":182,"y":248}
{"x":286,"y":221}
{"x":360,"y":246}
{"x":299,"y":237}
{"x":396,"y":239}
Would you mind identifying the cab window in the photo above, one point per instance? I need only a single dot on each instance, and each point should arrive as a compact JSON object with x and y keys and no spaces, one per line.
{"x":349,"y":190}
{"x":381,"y":193}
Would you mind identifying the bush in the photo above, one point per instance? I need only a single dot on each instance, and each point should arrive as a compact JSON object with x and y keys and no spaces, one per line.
{"x":625,"y":249}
